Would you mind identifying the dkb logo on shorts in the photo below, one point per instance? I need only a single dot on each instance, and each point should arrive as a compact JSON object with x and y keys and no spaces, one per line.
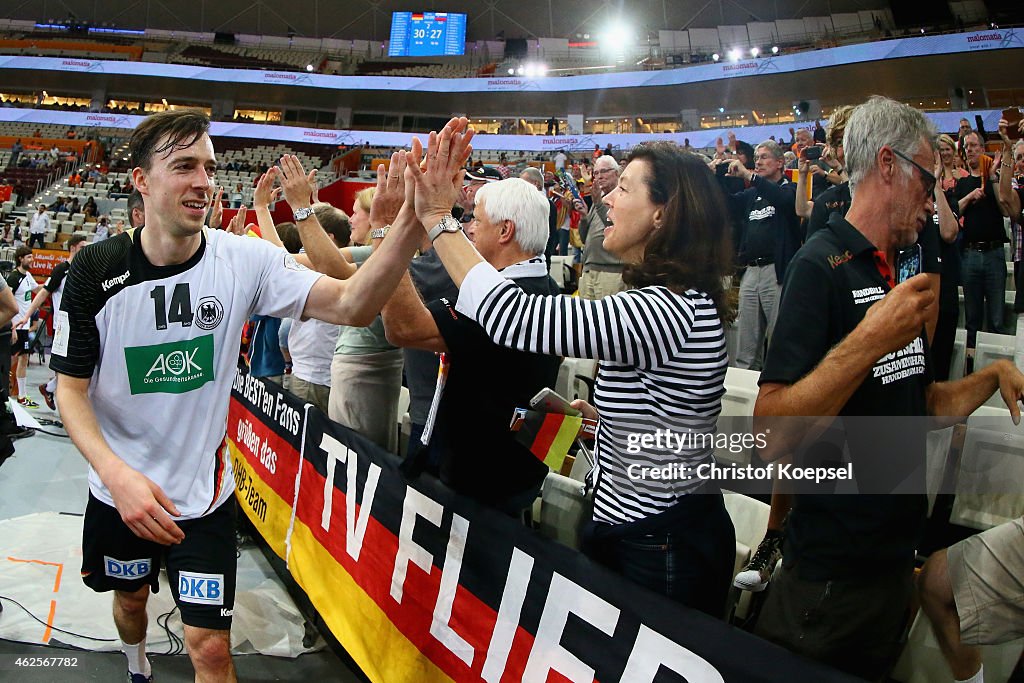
{"x":120,"y":569}
{"x":203,"y":589}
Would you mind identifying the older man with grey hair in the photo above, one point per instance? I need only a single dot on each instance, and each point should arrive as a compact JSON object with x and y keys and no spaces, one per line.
{"x":850,"y":341}
{"x":533,"y":175}
{"x":485,"y":382}
{"x":602,"y":271}
{"x":768,"y":237}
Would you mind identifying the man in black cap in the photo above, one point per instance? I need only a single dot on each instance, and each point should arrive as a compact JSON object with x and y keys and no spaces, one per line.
{"x":476,"y":178}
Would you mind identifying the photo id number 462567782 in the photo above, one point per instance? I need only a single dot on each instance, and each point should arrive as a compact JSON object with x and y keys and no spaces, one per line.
{"x":41,"y":662}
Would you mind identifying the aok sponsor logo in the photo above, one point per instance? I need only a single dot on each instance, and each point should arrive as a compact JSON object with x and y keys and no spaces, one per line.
{"x":171,"y":368}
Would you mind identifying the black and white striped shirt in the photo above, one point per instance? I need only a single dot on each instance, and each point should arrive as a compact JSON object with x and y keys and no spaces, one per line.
{"x":662,"y":359}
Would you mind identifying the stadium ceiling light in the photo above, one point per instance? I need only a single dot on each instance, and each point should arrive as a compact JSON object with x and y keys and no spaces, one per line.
{"x":754,"y":51}
{"x":734,"y":54}
{"x":309,"y":67}
{"x":775,"y":49}
{"x":618,"y":34}
{"x":716,"y":56}
{"x":511,"y":72}
{"x":721,"y":110}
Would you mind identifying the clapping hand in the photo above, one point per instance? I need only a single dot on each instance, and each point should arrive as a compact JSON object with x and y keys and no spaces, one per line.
{"x":390,"y":193}
{"x":265,"y":193}
{"x":438,"y":186}
{"x":297,"y":184}
{"x":217,"y":209}
{"x":236,"y":226}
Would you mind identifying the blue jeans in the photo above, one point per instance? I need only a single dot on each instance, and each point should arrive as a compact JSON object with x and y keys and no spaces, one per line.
{"x":563,"y":241}
{"x":690,"y":562}
{"x":984,"y":279}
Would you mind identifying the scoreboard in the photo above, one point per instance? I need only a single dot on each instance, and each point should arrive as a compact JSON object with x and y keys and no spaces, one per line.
{"x":422,"y":34}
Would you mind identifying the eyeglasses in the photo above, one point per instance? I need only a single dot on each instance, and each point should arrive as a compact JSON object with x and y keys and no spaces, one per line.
{"x":926,"y":175}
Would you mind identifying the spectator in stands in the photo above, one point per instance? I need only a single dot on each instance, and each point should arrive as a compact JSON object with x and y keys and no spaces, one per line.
{"x":602,"y":271}
{"x":597,"y":153}
{"x":74,"y":207}
{"x":971,"y":593}
{"x":136,"y":209}
{"x":819,"y":133}
{"x":237,"y":196}
{"x":567,"y":215}
{"x":559,"y":159}
{"x":1008,"y":194}
{"x":59,"y":204}
{"x":16,"y":149}
{"x":475,"y":179}
{"x":669,"y":223}
{"x":366,"y":371}
{"x":75,"y":179}
{"x":54,"y":153}
{"x":769,"y":237}
{"x":115,"y":188}
{"x":90,"y":210}
{"x":39,"y":226}
{"x":847,"y":578}
{"x":71,"y":134}
{"x":504,"y":169}
{"x":952,"y":169}
{"x":102,"y":229}
{"x":533,"y":176}
{"x":608,"y":150}
{"x":18,"y":231}
{"x":965,"y":128}
{"x":984,"y":263}
{"x":311,"y":343}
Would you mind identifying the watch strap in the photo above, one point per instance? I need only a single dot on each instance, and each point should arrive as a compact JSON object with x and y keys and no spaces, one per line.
{"x":447,"y":224}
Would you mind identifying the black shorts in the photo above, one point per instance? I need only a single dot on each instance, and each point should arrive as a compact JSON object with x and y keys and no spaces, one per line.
{"x":20,"y":343}
{"x":201,"y":569}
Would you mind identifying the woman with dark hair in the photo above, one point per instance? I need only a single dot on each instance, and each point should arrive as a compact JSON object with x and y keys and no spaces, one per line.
{"x":661,"y":352}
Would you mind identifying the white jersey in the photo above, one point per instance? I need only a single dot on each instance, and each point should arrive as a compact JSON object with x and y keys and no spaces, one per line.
{"x":55,"y":283}
{"x":160,"y":344}
{"x":22,"y":285}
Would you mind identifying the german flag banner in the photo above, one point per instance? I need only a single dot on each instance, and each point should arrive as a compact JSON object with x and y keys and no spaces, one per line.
{"x":420,"y":584}
{"x":264,"y":439}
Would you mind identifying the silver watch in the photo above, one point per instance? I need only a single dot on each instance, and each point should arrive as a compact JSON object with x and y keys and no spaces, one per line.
{"x":379,"y":233}
{"x":447,"y":224}
{"x":302,"y":214}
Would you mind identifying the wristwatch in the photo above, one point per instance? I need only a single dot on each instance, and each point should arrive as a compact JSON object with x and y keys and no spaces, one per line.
{"x":302,"y":214}
{"x":379,"y":233}
{"x":447,"y":224}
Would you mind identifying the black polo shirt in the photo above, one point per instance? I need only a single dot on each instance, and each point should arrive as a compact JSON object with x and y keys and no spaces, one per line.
{"x":835,"y":199}
{"x":983,"y":219}
{"x":829,"y":286}
{"x":479,"y":456}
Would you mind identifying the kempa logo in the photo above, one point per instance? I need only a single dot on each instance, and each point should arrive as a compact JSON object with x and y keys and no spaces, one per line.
{"x":115,"y":281}
{"x":172,"y":368}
